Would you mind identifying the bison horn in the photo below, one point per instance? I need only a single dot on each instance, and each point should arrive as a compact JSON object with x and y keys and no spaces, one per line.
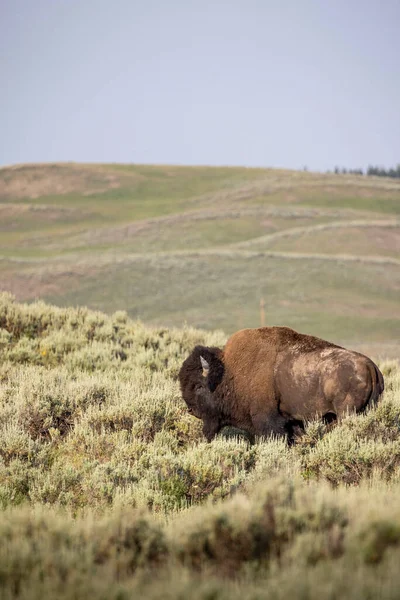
{"x":205,"y":366}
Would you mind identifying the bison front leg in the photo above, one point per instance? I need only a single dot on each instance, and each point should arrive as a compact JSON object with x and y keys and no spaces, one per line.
{"x":211,"y":428}
{"x":269,"y":424}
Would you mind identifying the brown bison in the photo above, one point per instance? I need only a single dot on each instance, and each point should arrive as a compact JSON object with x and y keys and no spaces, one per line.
{"x":266,"y":379}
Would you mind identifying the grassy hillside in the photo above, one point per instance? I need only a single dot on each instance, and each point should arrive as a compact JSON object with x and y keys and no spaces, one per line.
{"x":108,"y":489}
{"x":201,"y":245}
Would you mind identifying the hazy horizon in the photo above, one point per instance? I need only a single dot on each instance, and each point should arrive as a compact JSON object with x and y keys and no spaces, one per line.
{"x":258,"y":84}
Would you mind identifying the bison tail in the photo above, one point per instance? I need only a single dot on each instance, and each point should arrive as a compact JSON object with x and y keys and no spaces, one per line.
{"x":377,"y":381}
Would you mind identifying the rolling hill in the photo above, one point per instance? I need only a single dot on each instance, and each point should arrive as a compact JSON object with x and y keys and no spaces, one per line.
{"x":202,"y":245}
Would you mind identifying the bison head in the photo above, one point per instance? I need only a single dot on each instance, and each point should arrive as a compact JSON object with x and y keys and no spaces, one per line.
{"x":200,"y":375}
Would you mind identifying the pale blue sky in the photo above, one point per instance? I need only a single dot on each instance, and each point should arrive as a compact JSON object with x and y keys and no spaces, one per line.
{"x":272,"y":83}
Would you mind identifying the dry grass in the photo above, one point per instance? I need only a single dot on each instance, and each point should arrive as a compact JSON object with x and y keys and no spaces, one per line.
{"x":34,"y":181}
{"x":296,"y":232}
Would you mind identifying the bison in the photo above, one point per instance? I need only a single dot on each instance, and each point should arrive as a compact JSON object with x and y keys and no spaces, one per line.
{"x":266,"y":379}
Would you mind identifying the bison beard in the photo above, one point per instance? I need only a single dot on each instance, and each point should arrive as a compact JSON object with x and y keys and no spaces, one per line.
{"x":272,"y":379}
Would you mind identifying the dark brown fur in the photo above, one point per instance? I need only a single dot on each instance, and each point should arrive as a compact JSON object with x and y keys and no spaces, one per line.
{"x":268,"y":378}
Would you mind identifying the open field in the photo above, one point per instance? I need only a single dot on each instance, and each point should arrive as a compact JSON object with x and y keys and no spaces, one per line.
{"x":108,"y":489}
{"x":201,"y":245}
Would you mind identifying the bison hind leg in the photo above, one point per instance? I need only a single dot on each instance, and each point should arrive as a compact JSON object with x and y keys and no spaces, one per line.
{"x":329,"y":418}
